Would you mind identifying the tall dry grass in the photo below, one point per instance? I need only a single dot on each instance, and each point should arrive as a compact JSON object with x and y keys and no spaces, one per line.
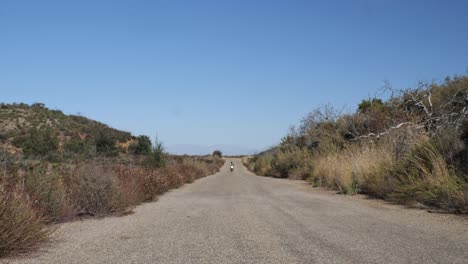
{"x":355,"y":169}
{"x":21,"y":226}
{"x":425,"y":176}
{"x":294,"y":162}
{"x":415,"y":170}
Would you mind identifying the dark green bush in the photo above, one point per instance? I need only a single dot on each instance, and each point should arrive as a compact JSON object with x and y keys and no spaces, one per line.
{"x":374,"y":104}
{"x":75,"y":146}
{"x":105,"y":144}
{"x":142,"y":146}
{"x":158,"y":156}
{"x":217,"y":153}
{"x":40,"y":142}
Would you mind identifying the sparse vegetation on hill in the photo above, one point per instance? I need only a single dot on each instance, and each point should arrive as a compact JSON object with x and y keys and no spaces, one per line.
{"x":35,"y":130}
{"x":55,"y":168}
{"x":411,"y":148}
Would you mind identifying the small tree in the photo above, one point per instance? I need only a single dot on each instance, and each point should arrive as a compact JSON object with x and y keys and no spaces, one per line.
{"x":217,"y":153}
{"x":374,"y":104}
{"x":142,"y":146}
{"x":158,"y":156}
{"x":105,"y":144}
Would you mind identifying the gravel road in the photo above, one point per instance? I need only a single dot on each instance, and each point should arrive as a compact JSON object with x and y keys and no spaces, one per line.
{"x":241,"y":218}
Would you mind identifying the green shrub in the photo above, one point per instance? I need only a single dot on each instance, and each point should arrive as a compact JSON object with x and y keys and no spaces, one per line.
{"x":40,"y":142}
{"x":261,"y":165}
{"x":158,"y":156}
{"x":142,"y":146}
{"x":217,"y":153}
{"x":75,"y":146}
{"x":105,"y":144}
{"x":374,"y":104}
{"x":293,"y":161}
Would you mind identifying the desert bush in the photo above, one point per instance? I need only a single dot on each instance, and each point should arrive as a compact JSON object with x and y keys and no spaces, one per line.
{"x":293,"y":161}
{"x":105,"y":144}
{"x":261,"y":165}
{"x":76,"y":146}
{"x":46,"y":188}
{"x":158,"y":156}
{"x":410,"y":148}
{"x":58,"y":192}
{"x":425,"y":177}
{"x":39,"y":142}
{"x":217,"y":153}
{"x":92,"y":190}
{"x":130,"y":187}
{"x":142,"y":146}
{"x":21,"y":227}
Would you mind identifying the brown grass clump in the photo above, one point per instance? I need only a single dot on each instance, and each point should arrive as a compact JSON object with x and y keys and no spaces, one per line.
{"x":425,"y":177}
{"x":46,"y":188}
{"x":354,"y":169}
{"x":21,"y":227}
{"x":93,"y":190}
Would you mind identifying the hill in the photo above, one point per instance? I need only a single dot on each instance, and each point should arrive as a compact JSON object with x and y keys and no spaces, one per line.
{"x":55,"y":131}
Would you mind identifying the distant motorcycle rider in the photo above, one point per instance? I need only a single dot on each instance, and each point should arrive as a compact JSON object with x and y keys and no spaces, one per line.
{"x":232,"y":166}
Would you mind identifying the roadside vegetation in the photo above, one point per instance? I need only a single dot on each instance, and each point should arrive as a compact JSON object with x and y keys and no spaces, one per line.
{"x":410,"y":149}
{"x":56,"y":168}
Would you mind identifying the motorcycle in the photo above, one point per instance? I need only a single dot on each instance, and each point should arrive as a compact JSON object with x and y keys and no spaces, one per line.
{"x":232,"y":167}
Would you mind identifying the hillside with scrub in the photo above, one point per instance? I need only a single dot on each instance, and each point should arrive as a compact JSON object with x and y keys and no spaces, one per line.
{"x":56,"y":167}
{"x":411,"y":148}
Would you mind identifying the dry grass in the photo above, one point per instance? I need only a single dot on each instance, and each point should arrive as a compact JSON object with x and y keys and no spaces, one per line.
{"x":414,"y":172}
{"x":294,"y":163}
{"x":425,"y":177}
{"x":21,"y":227}
{"x":353,"y":169}
{"x":59,"y":193}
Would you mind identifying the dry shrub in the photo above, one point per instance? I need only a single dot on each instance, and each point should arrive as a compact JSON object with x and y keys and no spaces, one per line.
{"x":93,"y":189}
{"x":421,"y":175}
{"x":425,"y":177}
{"x":293,"y":162}
{"x":193,"y":170}
{"x":130,"y":186}
{"x":261,"y":165}
{"x":47,"y":190}
{"x":138,"y":184}
{"x":57,"y":194}
{"x":21,"y":227}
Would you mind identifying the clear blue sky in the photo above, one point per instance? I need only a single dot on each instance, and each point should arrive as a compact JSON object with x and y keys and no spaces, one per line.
{"x":213,"y":72}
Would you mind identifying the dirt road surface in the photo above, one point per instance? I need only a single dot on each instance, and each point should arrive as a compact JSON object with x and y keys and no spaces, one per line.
{"x":241,"y":218}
